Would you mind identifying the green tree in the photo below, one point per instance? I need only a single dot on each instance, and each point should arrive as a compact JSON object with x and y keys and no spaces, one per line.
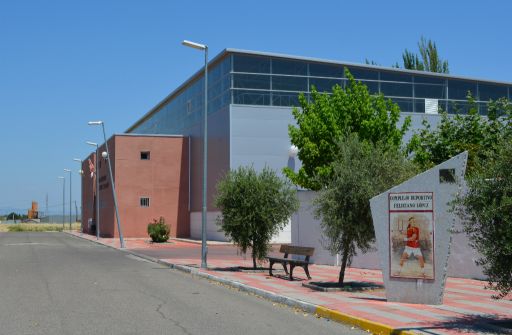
{"x":427,"y":60}
{"x":411,"y":61}
{"x":457,"y":133}
{"x":325,"y":119}
{"x":15,"y":216}
{"x":371,"y":62}
{"x":486,"y":210}
{"x":361,"y":170}
{"x":254,"y":206}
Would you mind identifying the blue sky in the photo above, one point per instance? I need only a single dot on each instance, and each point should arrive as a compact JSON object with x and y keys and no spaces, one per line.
{"x":63,"y":63}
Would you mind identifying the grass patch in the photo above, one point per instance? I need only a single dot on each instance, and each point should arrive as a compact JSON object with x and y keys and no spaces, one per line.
{"x":37,"y":227}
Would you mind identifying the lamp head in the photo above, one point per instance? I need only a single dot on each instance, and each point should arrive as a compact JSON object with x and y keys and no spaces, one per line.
{"x":92,"y":143}
{"x":293,"y":151}
{"x":95,"y":123}
{"x":104,"y":154}
{"x":77,"y":160}
{"x":194,"y":45}
{"x":67,"y":170}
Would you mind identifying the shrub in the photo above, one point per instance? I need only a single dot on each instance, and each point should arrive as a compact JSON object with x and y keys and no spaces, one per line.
{"x":34,"y":227}
{"x":158,"y":230}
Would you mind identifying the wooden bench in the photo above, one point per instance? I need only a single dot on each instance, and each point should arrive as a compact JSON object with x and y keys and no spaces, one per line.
{"x":292,"y":250}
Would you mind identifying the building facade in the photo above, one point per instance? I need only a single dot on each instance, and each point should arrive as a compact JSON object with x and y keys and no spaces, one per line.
{"x":250,"y":98}
{"x":151,"y":174}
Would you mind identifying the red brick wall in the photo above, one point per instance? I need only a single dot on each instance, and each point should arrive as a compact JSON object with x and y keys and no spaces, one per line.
{"x":164,"y":178}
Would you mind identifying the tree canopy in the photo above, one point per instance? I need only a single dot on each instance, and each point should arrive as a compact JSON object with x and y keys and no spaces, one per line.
{"x":427,"y":60}
{"x":254,"y":206}
{"x":326,"y":119}
{"x":486,"y":210}
{"x":454,"y":134}
{"x":360,"y":171}
{"x":15,"y":216}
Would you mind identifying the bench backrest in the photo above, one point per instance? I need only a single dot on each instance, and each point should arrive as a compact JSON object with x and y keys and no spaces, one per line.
{"x":296,"y":250}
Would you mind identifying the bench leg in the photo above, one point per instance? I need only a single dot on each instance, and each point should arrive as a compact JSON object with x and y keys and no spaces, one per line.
{"x":291,"y":271}
{"x":307,"y":271}
{"x":285,"y":268}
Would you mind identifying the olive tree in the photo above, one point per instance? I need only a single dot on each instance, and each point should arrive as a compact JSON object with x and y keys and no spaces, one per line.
{"x":254,"y":207}
{"x":486,"y":212}
{"x":360,"y":171}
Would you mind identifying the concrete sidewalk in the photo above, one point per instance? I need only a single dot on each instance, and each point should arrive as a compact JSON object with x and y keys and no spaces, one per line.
{"x":467,"y":308}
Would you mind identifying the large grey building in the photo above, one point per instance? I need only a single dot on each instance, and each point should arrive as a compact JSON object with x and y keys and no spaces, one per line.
{"x":250,"y":97}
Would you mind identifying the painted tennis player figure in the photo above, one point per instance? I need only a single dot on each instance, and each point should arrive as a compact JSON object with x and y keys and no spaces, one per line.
{"x":412,"y":245}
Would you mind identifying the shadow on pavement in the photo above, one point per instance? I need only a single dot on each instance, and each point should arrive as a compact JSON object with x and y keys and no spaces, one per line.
{"x":470,"y":324}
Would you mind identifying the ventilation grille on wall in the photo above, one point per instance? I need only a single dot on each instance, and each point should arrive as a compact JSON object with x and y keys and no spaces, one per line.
{"x":431,"y":106}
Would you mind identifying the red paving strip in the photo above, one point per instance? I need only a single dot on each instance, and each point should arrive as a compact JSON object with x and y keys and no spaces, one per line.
{"x":466,"y":303}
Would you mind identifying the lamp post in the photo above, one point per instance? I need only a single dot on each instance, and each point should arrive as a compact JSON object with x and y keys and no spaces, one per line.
{"x":63,"y":199}
{"x":70,"y":202}
{"x":97,"y":190}
{"x":102,"y":124}
{"x":80,"y":173}
{"x":204,"y":248}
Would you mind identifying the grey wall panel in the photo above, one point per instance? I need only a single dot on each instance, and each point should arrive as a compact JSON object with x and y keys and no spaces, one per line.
{"x":259,"y":137}
{"x":218,"y":157}
{"x":196,"y":166}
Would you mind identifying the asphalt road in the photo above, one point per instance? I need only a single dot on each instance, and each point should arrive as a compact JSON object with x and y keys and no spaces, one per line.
{"x":52,"y":283}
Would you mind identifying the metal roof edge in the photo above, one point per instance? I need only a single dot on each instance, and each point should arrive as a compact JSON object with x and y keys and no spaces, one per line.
{"x":369,"y":66}
{"x":150,"y":135}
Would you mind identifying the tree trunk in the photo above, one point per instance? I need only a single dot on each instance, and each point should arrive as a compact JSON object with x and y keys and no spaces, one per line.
{"x":344,"y":260}
{"x":253,"y":260}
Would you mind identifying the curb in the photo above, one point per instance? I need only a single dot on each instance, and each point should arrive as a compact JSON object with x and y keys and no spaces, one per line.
{"x":368,"y":325}
{"x":371,"y":326}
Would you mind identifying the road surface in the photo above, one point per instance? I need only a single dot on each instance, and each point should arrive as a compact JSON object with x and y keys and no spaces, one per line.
{"x":53,"y":283}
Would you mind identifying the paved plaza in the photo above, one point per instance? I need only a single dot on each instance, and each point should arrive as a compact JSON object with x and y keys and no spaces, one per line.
{"x":468,"y":307}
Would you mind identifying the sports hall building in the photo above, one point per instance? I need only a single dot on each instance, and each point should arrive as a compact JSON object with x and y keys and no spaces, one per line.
{"x":250,"y":98}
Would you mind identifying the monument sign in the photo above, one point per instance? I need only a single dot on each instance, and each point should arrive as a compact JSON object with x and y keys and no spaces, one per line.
{"x":413,"y":223}
{"x":411,"y":235}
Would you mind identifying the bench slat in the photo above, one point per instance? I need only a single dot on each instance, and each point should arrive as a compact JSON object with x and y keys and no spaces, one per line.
{"x":296,"y":250}
{"x":289,"y":260}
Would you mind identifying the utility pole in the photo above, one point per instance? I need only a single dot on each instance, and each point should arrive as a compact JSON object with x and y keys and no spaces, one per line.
{"x":47,"y":214}
{"x":76,"y":212}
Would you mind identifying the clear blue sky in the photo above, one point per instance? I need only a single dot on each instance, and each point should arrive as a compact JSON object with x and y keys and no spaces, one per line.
{"x":63,"y":63}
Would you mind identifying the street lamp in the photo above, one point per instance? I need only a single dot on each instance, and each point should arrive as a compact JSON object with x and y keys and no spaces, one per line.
{"x":63,"y":199}
{"x":68,"y":170}
{"x":204,"y":249}
{"x":98,"y":123}
{"x":97,"y":189}
{"x":81,"y":173}
{"x":293,"y":151}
